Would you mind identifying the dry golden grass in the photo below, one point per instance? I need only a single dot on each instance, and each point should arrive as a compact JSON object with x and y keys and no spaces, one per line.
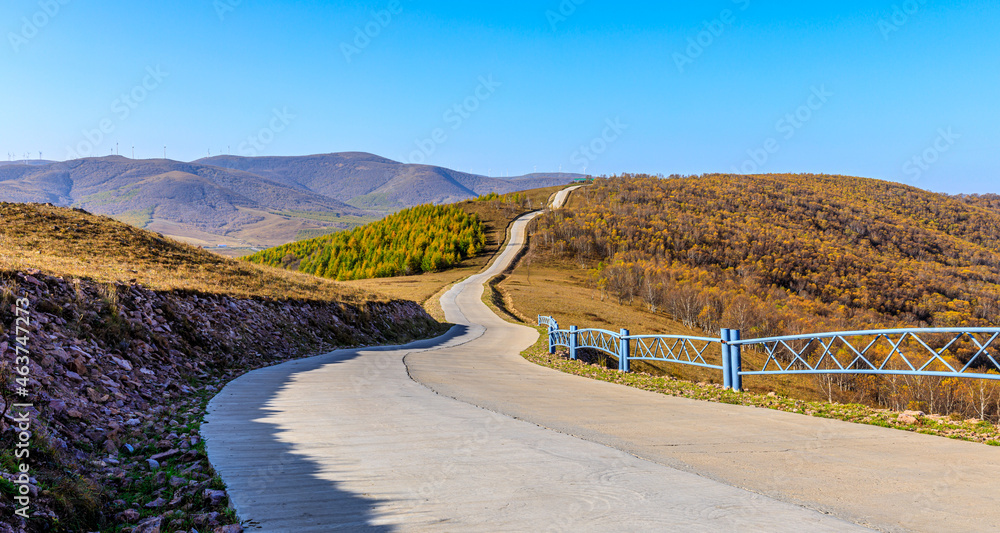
{"x":70,"y":243}
{"x":425,"y":289}
{"x":564,"y":291}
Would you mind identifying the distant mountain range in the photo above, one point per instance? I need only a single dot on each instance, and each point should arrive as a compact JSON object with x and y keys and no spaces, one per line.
{"x":248,"y":201}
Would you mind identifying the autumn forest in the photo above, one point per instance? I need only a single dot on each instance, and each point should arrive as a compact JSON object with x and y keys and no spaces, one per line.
{"x":789,"y":254}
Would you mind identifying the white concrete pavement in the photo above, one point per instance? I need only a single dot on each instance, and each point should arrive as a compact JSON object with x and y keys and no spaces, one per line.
{"x":349,"y":441}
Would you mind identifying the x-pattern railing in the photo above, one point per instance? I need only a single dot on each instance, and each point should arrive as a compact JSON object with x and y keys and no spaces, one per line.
{"x":930,"y":351}
{"x":560,"y":337}
{"x":673,"y":349}
{"x":946,"y":352}
{"x":598,"y":339}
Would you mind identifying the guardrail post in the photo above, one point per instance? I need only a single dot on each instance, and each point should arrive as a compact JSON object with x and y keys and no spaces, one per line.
{"x":552,"y":339}
{"x":727,"y":376}
{"x":623,"y":354}
{"x":572,"y":342}
{"x":736,"y":363}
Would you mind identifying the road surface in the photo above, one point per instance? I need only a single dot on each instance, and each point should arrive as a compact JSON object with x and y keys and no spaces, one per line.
{"x":460,"y":433}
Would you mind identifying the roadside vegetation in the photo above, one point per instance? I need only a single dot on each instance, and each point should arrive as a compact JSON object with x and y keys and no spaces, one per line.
{"x":772,"y":255}
{"x":496,"y":213}
{"x":130,"y":335}
{"x":594,"y":366}
{"x":72,"y":243}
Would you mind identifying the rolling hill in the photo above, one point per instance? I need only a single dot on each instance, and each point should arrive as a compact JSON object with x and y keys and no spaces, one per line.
{"x":371,"y":182}
{"x":778,"y":254}
{"x":251,"y":202}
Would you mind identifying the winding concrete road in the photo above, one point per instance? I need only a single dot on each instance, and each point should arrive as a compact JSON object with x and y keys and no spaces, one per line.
{"x":460,"y":433}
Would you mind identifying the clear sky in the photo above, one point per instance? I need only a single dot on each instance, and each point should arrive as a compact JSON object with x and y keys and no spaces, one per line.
{"x":900,"y":90}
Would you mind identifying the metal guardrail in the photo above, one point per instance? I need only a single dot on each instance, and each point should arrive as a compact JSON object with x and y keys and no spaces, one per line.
{"x":943,"y":352}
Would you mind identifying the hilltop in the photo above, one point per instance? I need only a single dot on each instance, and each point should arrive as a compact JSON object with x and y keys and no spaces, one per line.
{"x":72,"y":243}
{"x":372,"y":182}
{"x":248,"y":202}
{"x":827,"y":251}
{"x":773,"y":255}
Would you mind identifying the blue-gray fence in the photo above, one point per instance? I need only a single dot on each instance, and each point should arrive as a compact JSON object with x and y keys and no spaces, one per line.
{"x":943,"y":352}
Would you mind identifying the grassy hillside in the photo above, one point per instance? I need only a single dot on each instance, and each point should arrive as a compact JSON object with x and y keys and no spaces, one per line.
{"x":130,"y":335}
{"x":780,"y":254}
{"x":73,"y":243}
{"x":774,"y":254}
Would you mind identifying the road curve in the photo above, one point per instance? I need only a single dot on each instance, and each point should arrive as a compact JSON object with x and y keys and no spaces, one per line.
{"x":349,"y":441}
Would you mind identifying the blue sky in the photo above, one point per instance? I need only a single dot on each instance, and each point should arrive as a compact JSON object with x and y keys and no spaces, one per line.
{"x":899,"y":90}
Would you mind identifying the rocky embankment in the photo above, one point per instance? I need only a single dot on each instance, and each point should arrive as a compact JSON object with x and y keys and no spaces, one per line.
{"x":119,"y":378}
